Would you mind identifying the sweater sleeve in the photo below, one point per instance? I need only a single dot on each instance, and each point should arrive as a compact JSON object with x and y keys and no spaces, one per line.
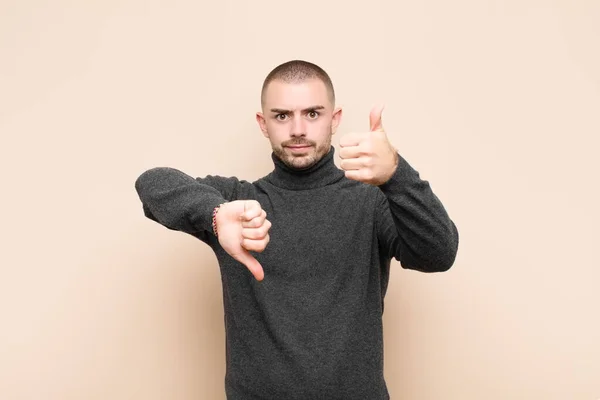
{"x":412,"y":224}
{"x":184,"y":203}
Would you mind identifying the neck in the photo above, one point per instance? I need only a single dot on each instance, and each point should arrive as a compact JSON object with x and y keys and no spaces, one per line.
{"x":324,"y":172}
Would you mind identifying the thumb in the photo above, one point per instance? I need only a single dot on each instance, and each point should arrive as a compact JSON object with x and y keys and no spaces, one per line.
{"x":251,"y":263}
{"x":375,"y":118}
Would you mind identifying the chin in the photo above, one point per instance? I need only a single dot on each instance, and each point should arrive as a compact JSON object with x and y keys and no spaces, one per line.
{"x":302,"y":162}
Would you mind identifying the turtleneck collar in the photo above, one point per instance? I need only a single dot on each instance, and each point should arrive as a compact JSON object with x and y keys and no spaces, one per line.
{"x":323,"y":173}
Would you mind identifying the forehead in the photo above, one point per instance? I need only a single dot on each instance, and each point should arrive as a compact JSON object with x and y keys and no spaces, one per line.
{"x":291,"y":95}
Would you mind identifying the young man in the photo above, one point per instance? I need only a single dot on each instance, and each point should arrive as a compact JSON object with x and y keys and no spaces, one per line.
{"x":305,"y":251}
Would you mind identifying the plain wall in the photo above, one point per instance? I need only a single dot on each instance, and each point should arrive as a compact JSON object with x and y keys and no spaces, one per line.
{"x":495,"y":103}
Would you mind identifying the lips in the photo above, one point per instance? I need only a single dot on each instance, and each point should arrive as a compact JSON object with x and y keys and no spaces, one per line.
{"x":298,"y":146}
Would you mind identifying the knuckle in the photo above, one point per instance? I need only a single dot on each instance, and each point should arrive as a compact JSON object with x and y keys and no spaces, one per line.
{"x":261,"y":232}
{"x":252,"y":205}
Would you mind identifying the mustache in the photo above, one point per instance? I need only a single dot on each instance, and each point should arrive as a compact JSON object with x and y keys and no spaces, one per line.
{"x":298,"y":143}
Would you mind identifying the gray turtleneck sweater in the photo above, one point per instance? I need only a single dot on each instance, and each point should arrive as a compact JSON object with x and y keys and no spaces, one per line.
{"x":312,"y":329}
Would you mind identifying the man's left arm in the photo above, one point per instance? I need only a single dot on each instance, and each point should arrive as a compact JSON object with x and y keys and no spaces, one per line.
{"x":412,"y":223}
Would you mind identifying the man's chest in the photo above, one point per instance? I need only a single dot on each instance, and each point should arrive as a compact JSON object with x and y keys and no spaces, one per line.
{"x":315,"y":233}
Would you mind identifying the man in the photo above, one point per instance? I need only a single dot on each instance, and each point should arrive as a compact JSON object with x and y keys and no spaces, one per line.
{"x":305,"y":251}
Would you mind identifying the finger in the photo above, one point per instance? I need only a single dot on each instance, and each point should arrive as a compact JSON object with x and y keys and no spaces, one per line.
{"x":252,"y":209}
{"x":256,"y":233}
{"x":352,"y":139}
{"x":256,"y":245}
{"x":361,"y":175}
{"x":375,"y":118}
{"x":255,"y":222}
{"x":351,"y":164}
{"x":251,"y":263}
{"x":350,"y":152}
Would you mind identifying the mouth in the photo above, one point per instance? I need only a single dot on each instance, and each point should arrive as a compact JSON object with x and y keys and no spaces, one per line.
{"x":299,"y":148}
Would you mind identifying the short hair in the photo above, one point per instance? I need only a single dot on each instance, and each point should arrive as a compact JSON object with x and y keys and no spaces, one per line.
{"x":296,"y":71}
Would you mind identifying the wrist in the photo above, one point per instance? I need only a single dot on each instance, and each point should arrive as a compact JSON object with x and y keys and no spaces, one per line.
{"x":214,"y":219}
{"x":391,"y":170}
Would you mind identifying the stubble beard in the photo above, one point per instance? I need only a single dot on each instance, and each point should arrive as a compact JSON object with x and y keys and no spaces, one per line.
{"x":304,"y":161}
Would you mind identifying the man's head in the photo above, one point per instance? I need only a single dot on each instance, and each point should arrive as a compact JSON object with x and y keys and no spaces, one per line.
{"x":298,"y":113}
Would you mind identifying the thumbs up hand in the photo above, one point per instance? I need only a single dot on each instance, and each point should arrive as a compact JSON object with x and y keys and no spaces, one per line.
{"x":369,"y":157}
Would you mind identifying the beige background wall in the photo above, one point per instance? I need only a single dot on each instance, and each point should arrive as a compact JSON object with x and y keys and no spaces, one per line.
{"x":496,"y":103}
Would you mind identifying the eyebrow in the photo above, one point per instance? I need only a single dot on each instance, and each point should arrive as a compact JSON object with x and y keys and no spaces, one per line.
{"x":284,"y":111}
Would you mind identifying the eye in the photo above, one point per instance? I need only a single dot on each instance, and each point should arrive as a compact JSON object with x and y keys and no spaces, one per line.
{"x":280,"y":117}
{"x":313,"y":114}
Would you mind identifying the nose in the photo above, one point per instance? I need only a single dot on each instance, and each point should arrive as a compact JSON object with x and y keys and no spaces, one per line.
{"x":298,"y":127}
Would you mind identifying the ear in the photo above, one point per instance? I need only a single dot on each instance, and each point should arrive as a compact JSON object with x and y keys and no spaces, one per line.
{"x":336,"y":118}
{"x":262,"y":123}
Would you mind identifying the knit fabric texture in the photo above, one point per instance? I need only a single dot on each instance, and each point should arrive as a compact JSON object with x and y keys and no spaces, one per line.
{"x":312,"y":329}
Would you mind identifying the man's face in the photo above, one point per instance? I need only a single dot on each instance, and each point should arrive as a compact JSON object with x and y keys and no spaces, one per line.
{"x":299,"y":120}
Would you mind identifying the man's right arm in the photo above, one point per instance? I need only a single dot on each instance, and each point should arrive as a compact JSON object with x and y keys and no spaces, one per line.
{"x":183,"y":203}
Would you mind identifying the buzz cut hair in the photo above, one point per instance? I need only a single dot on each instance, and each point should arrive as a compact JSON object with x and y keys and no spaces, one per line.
{"x":296,"y":71}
